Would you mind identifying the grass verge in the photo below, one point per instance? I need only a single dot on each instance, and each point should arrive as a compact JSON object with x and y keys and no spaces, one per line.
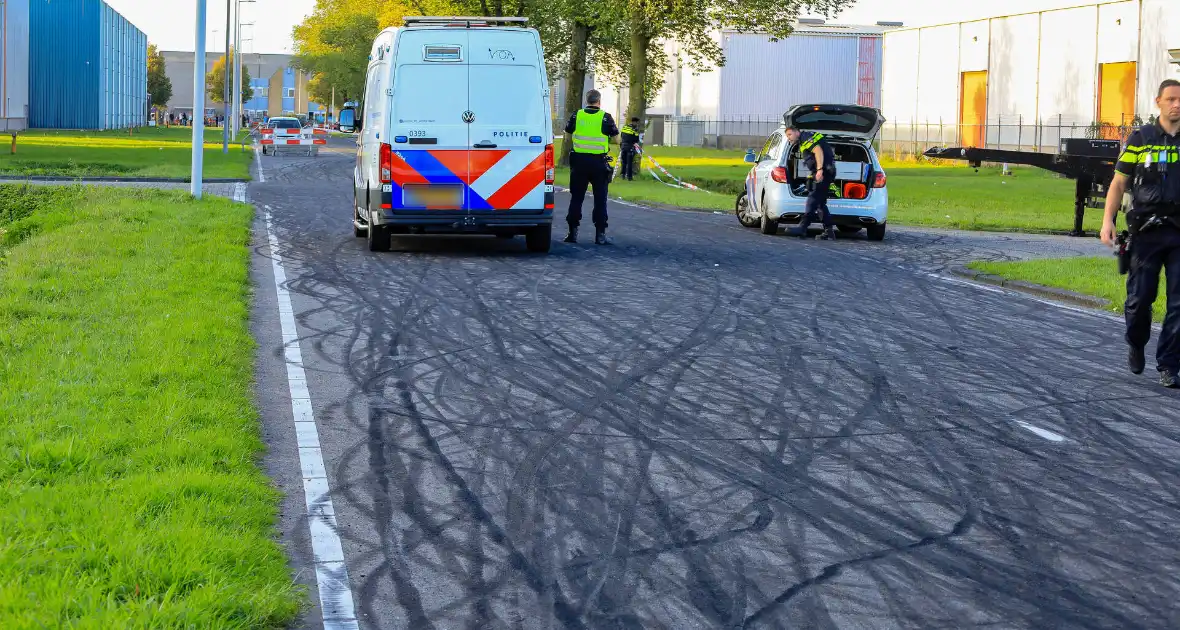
{"x":1097,"y":276}
{"x":149,"y":152}
{"x":130,"y":495}
{"x":929,"y":195}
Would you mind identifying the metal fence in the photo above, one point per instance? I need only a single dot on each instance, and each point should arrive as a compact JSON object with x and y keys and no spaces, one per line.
{"x":896,"y":139}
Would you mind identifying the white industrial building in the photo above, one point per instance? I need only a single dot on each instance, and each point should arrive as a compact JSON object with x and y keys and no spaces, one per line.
{"x":744,"y":99}
{"x":1025,"y":81}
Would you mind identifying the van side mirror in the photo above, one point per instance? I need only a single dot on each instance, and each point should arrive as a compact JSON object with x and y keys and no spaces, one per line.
{"x":348,"y":120}
{"x":750,"y":157}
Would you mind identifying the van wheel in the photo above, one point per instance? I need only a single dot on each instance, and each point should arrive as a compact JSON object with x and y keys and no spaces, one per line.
{"x":378,"y":238}
{"x":539,"y":239}
{"x":877,"y":232}
{"x":769,"y":225}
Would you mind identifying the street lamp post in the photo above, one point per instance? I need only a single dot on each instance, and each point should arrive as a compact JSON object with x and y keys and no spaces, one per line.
{"x":225,"y":94}
{"x":198,"y":103}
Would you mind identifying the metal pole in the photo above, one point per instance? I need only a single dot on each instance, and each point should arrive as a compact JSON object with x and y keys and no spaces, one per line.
{"x":235,"y":109}
{"x":225,"y":93}
{"x":199,"y":102}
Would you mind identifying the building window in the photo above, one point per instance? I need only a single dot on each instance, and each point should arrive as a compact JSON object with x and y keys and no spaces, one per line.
{"x":260,"y":92}
{"x":290,"y":92}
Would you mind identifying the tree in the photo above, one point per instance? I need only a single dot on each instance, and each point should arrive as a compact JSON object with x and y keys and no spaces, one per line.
{"x":215,"y":80}
{"x":692,"y":23}
{"x":159,"y":85}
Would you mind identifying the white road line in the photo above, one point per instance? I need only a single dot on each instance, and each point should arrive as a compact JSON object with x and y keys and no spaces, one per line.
{"x":258,"y":158}
{"x":1048,"y":435}
{"x":336,"y":604}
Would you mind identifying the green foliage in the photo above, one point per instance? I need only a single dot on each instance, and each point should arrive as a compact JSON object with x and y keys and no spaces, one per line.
{"x":215,"y":80}
{"x":159,"y":85}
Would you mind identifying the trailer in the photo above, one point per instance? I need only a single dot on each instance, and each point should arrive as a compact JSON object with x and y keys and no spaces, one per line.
{"x":1090,"y":163}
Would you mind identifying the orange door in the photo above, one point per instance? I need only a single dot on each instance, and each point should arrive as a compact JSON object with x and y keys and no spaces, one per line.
{"x":1116,"y":97}
{"x":973,"y":109}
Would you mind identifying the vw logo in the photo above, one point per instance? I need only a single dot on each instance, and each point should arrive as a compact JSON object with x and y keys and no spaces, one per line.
{"x":469,"y":116}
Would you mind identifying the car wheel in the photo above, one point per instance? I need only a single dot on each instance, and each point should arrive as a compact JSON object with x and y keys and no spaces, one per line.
{"x":848,"y":229}
{"x":769,"y":225}
{"x":539,"y":239}
{"x":745,"y":215}
{"x":877,"y":232}
{"x":378,"y":238}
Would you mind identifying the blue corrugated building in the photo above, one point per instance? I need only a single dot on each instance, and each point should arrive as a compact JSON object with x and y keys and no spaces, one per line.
{"x":87,"y":67}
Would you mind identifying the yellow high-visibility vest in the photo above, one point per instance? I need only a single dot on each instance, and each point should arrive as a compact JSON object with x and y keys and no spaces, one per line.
{"x":588,"y":136}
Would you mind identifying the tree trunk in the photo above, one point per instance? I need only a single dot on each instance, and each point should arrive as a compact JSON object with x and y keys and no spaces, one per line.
{"x":575,"y":80}
{"x":637,"y":76}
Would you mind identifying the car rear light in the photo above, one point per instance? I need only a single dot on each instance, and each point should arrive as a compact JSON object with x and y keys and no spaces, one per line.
{"x":386,"y":164}
{"x":779,"y":174}
{"x":879,"y":180}
{"x":548,"y":164}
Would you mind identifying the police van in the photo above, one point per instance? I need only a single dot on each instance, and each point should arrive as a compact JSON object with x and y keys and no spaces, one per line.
{"x":455,"y":133}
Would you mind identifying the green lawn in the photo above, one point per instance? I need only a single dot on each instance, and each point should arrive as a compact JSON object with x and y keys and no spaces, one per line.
{"x":946,"y":196}
{"x":130,"y":493}
{"x":1092,"y":276}
{"x":148,"y":152}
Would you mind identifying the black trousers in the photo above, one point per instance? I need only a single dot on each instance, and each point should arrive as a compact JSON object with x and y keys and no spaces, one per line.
{"x":628,"y":159}
{"x":1152,"y":251}
{"x":817,"y":203}
{"x":588,"y":169}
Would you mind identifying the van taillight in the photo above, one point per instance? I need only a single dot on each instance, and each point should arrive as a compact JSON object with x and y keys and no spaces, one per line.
{"x":879,"y":180}
{"x":779,"y":174}
{"x":386,"y":163}
{"x":548,"y":164}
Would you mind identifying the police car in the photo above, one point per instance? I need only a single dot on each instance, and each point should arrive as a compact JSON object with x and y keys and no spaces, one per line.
{"x":456,"y":133}
{"x":776,"y":187}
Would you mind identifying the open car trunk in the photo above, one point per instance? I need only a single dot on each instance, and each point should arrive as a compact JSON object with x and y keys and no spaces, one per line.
{"x":853,"y":165}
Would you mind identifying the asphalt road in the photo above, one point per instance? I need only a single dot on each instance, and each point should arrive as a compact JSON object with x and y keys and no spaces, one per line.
{"x":704,"y":427}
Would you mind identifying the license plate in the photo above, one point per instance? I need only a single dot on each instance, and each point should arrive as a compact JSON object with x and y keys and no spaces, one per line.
{"x":441,"y":197}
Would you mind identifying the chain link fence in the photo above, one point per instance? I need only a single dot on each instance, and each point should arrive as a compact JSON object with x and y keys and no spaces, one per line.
{"x":899,"y":140}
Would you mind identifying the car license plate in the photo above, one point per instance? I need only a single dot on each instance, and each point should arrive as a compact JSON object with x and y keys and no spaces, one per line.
{"x":440,"y":197}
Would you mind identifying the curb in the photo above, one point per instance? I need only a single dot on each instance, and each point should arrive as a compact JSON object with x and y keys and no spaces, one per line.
{"x":1040,"y":290}
{"x":130,"y":180}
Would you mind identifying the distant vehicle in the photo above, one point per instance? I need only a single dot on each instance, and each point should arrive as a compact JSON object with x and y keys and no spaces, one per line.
{"x":457,"y":133}
{"x":285,"y":128}
{"x":776,"y":187}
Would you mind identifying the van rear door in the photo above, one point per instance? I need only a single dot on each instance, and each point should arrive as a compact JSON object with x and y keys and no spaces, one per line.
{"x":511,"y":121}
{"x":428,"y":127}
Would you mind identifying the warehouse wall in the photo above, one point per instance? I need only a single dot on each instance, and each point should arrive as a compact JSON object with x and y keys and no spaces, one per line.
{"x":762,"y":78}
{"x":64,"y":58}
{"x":899,"y":76}
{"x":1012,"y":77}
{"x":14,"y":89}
{"x":1068,"y":68}
{"x":1159,"y":33}
{"x":122,"y":98}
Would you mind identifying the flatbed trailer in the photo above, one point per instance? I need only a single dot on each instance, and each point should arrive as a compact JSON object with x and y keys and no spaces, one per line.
{"x":1090,"y":163}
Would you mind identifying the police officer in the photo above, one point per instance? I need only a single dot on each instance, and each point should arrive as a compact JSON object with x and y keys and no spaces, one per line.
{"x":1150,"y":166}
{"x":821,"y":160}
{"x":630,"y":141}
{"x":590,"y":130}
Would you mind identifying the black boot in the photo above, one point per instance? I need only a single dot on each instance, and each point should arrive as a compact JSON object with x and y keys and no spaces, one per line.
{"x":1169,"y":378}
{"x":572,"y":237}
{"x":829,"y":234}
{"x":799,"y":230}
{"x":1136,"y":360}
{"x":600,"y":238}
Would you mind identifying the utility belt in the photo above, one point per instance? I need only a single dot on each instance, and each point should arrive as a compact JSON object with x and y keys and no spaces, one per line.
{"x":1142,"y":222}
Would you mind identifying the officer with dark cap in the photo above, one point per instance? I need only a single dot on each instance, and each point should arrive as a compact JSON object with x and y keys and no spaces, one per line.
{"x":1150,"y":167}
{"x":590,"y":132}
{"x":820,"y":159}
{"x":629,"y":143}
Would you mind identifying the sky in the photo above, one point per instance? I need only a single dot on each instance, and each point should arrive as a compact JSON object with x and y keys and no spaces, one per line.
{"x":173,"y":29}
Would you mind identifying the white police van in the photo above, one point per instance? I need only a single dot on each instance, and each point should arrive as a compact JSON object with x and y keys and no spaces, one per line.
{"x":455,"y":134}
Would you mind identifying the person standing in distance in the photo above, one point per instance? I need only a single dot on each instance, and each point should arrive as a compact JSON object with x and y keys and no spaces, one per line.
{"x":590,"y":130}
{"x":1150,"y":167}
{"x":629,"y":141}
{"x":821,"y":160}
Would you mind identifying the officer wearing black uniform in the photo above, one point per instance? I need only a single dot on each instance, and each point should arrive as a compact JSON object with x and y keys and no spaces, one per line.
{"x":589,"y":130}
{"x":629,"y":139}
{"x":821,"y":160}
{"x":1150,"y":166}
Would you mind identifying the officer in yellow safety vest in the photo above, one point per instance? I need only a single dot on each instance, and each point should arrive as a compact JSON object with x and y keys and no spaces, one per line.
{"x":589,"y":130}
{"x":630,"y":143}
